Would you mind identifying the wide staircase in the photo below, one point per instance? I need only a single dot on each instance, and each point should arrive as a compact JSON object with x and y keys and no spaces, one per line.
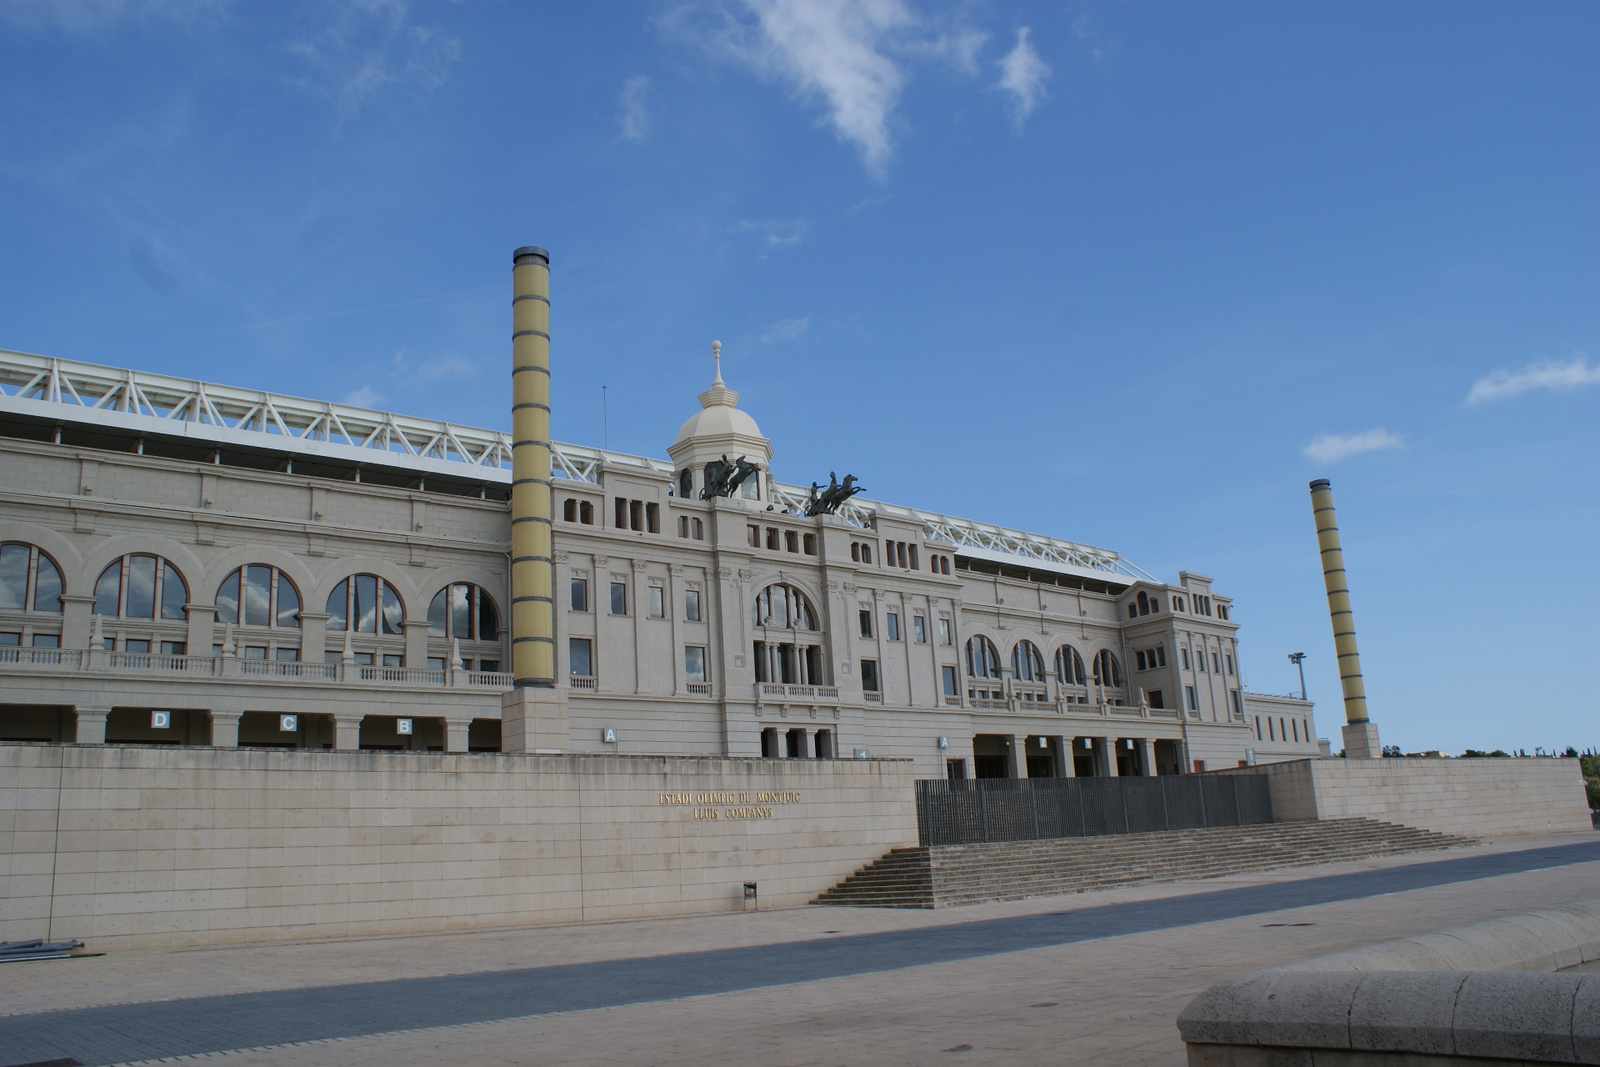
{"x":947,"y":875}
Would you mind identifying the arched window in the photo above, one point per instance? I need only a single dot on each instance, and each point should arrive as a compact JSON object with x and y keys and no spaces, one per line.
{"x":1177,"y":603}
{"x":1107,"y":671}
{"x":982,"y":659}
{"x":1069,"y":666}
{"x":1026,"y":663}
{"x":141,"y":587}
{"x":783,"y":607}
{"x":366,"y":604}
{"x":29,"y":579}
{"x":258,"y":595}
{"x":464,"y":611}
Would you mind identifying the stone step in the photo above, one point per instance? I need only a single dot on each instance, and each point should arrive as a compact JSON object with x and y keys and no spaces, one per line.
{"x":962,"y":874}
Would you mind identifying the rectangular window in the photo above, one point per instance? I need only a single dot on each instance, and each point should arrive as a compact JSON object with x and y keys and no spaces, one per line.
{"x":619,"y":598}
{"x":866,"y":622}
{"x":1156,"y":699}
{"x":945,"y":632}
{"x":809,"y":544}
{"x":177,"y":648}
{"x":694,"y":664}
{"x":1161,"y":656}
{"x":914,"y":564}
{"x":51,"y":641}
{"x":1190,"y":699}
{"x":636,"y":514}
{"x":919,"y":629}
{"x":580,"y":659}
{"x":652,"y":518}
{"x":691,"y":605}
{"x":288,"y":655}
{"x":1258,"y":728}
{"x":869,"y":675}
{"x":658,"y":602}
{"x":1216,"y":668}
{"x":891,"y":626}
{"x":622,"y":513}
{"x":1184,"y":652}
{"x":389,"y":659}
{"x":1200,"y":660}
{"x":791,"y":541}
{"x":753,"y":534}
{"x":1229,"y":658}
{"x":772,"y":538}
{"x":1238,"y":707}
{"x":950,"y":681}
{"x":580,"y":594}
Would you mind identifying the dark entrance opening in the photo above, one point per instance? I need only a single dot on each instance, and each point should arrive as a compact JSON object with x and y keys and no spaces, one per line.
{"x":955,"y":768}
{"x":769,"y":743}
{"x":152,"y":726}
{"x":1083,"y":757}
{"x":483,"y":735}
{"x":991,"y":756}
{"x":37,"y":722}
{"x":1129,"y":758}
{"x":1041,"y":758}
{"x":795,"y":743}
{"x":825,"y":744}
{"x":1167,"y":758}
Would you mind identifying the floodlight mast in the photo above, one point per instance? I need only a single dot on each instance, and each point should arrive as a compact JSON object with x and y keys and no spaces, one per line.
{"x":1296,"y":658}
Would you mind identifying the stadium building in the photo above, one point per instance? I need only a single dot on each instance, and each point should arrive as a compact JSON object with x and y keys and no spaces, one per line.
{"x":194,"y":564}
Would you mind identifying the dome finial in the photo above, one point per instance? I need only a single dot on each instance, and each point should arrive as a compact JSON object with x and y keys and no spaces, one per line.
{"x":716,"y":354}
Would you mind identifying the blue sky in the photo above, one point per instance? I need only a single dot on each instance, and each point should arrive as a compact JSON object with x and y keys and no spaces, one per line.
{"x":1127,"y":273}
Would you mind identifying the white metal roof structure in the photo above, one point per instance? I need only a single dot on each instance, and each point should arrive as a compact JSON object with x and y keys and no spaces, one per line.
{"x":61,"y":391}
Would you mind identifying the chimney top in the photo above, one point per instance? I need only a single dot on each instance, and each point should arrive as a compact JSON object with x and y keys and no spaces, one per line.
{"x":1321,"y":483}
{"x":530,"y":250}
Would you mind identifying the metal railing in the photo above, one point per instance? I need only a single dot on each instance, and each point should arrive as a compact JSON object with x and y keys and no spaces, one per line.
{"x":971,"y":811}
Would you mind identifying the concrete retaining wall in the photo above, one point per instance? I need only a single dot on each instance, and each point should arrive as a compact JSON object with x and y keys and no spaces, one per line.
{"x":125,"y":846}
{"x":1474,"y":994}
{"x":1489,"y":797}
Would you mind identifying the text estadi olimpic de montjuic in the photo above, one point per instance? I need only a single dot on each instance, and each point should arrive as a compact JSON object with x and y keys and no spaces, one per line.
{"x":707,"y":805}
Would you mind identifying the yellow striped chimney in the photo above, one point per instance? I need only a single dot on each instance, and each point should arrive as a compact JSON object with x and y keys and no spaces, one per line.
{"x":1360,"y":735}
{"x":532,"y":601}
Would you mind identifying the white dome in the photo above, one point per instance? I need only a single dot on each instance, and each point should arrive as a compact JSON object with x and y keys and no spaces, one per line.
{"x":718,"y":417}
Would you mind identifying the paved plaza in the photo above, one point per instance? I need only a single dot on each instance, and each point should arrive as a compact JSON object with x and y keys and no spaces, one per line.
{"x":1092,"y":978}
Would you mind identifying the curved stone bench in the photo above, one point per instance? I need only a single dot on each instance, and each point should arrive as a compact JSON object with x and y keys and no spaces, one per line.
{"x":1488,"y":993}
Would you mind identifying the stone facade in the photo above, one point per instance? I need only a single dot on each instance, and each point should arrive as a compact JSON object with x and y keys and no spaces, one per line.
{"x":733,"y":626}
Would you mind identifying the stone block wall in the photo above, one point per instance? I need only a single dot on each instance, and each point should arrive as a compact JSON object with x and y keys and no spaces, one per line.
{"x":129,"y":846}
{"x":1487,"y":797}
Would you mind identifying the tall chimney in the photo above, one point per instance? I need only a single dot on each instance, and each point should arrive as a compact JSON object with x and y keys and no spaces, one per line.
{"x":532,"y":598}
{"x":533,"y":713}
{"x":1360,"y":735}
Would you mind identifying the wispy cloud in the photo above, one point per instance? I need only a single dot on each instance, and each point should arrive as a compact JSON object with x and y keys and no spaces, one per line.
{"x":364,"y":397}
{"x":843,"y":56}
{"x":1023,"y":74}
{"x":364,"y":47}
{"x":785,"y":330}
{"x":1544,"y":375}
{"x":632,"y":116}
{"x":440,"y":365}
{"x":776,"y":233}
{"x":89,"y":16}
{"x":1332,"y":447}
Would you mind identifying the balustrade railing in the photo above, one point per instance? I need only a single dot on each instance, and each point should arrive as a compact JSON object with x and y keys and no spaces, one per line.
{"x":94,"y":661}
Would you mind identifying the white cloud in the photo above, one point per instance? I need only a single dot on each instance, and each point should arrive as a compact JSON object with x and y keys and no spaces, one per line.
{"x":839,"y":55}
{"x":1023,"y":74}
{"x":366,"y":46}
{"x":364,"y":397}
{"x":786,"y":330}
{"x":632,"y":117}
{"x":1332,"y":447}
{"x":1544,"y":375}
{"x":776,"y":232}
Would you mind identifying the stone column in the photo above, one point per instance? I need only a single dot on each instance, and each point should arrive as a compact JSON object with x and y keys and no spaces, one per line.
{"x":455,"y":734}
{"x":416,"y":633}
{"x":75,"y":620}
{"x":91,"y":728}
{"x":347,"y":731}
{"x":225,"y":729}
{"x":1147,"y":756}
{"x":202,"y":623}
{"x":1017,"y":756}
{"x":1108,"y":755}
{"x":313,"y":636}
{"x":1064,"y":757}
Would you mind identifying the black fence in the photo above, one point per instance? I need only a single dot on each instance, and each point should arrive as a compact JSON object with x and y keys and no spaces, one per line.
{"x":960,"y":812}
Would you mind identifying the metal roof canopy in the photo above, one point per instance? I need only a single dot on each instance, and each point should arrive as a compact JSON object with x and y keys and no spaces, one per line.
{"x":140,"y":403}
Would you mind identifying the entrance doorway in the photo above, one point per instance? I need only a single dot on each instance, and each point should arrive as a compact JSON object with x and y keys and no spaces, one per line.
{"x":991,"y":756}
{"x":1041,"y":758}
{"x":1129,"y":758}
{"x":1083,"y":757}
